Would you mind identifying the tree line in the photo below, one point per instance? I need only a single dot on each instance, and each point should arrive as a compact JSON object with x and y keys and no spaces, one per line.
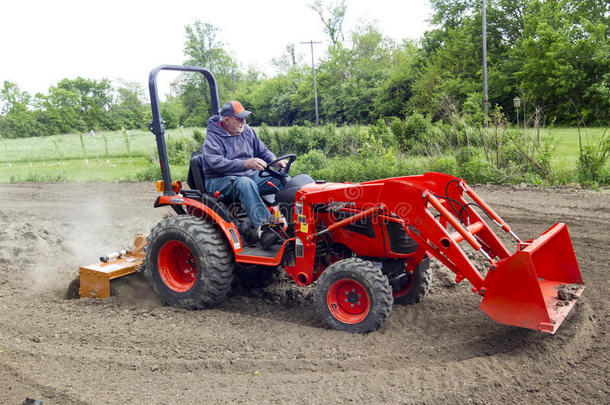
{"x":554,"y":55}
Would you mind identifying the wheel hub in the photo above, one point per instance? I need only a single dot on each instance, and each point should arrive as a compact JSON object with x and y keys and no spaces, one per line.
{"x":352,"y":297}
{"x":348,"y":301}
{"x":177,"y":266}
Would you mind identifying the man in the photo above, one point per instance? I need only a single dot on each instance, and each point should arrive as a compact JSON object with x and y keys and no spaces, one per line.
{"x":233,"y":155}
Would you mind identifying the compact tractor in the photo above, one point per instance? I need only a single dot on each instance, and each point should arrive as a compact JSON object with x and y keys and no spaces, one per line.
{"x":366,"y":246}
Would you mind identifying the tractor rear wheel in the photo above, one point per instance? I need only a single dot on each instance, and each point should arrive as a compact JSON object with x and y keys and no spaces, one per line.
{"x":188,"y":262}
{"x":353,"y":295}
{"x":410,"y":288}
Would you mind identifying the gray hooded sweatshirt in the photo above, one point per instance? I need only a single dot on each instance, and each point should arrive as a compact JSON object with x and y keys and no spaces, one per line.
{"x":225,"y":154}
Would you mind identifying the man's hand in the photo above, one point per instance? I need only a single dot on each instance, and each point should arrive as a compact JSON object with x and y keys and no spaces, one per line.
{"x":255,"y":163}
{"x":281,"y":164}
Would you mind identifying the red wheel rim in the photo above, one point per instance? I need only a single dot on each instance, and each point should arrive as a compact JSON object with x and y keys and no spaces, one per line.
{"x":348,"y":301}
{"x":407,"y":287}
{"x":177,"y":266}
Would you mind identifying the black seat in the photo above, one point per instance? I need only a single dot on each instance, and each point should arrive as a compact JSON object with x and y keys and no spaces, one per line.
{"x":196,"y":178}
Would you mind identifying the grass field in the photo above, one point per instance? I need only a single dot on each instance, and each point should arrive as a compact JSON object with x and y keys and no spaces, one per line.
{"x":567,"y":144}
{"x":106,"y":158}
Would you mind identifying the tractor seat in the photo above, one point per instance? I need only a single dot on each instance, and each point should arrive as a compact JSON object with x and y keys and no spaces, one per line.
{"x":196,"y":179}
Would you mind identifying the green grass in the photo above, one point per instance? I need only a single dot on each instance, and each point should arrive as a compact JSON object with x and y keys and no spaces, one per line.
{"x":565,"y":154}
{"x":60,"y":157}
{"x":72,"y":170}
{"x":42,"y":149}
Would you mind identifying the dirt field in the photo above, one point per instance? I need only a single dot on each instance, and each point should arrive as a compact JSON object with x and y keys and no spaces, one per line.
{"x":269,"y":346}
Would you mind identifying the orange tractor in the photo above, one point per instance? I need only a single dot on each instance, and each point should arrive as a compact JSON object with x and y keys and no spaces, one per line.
{"x":365,"y":245}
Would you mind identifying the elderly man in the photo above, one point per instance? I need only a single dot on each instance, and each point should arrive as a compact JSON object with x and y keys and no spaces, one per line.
{"x":233,"y":156}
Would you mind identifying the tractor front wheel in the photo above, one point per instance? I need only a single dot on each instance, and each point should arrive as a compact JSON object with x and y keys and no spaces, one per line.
{"x":409,"y":288}
{"x":353,"y":295}
{"x":188,"y":262}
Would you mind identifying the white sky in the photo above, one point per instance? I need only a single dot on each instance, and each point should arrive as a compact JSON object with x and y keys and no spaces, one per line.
{"x":43,"y":42}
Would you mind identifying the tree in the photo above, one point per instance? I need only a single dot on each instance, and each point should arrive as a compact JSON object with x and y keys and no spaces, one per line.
{"x":394,"y":94}
{"x":129,"y":112}
{"x":564,"y":58}
{"x":288,"y":60}
{"x":12,"y":98}
{"x":61,"y":111}
{"x":333,"y":24}
{"x":93,"y":100}
{"x":203,"y":48}
{"x":16,"y":118}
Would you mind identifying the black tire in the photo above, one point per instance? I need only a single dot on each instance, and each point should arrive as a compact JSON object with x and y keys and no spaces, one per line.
{"x":408,"y":289}
{"x":188,"y":262}
{"x":366,"y":296}
{"x":255,"y":276}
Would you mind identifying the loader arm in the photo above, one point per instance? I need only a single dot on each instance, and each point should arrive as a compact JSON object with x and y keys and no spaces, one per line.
{"x":524,"y":289}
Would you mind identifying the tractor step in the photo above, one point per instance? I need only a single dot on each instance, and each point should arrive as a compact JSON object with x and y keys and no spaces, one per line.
{"x":259,"y":251}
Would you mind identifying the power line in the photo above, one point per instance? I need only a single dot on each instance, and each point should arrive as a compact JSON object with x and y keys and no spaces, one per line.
{"x":315,"y":87}
{"x":485,"y":98}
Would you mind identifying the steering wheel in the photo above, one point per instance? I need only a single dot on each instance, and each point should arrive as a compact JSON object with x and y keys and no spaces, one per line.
{"x":281,"y":174}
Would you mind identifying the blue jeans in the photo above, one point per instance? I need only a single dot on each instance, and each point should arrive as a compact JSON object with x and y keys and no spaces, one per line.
{"x":248,"y":191}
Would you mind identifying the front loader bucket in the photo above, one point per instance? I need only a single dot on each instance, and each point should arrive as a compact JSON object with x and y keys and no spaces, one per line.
{"x":537,"y":286}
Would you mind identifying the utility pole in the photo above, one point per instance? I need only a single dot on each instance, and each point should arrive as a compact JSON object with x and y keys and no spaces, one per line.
{"x":315,"y":87}
{"x":485,"y":100}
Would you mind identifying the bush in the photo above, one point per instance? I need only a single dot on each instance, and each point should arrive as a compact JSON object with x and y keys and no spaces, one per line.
{"x":591,"y":163}
{"x":310,"y":163}
{"x":444,"y":164}
{"x":383,"y":132}
{"x":198,"y":136}
{"x":415,"y":129}
{"x":474,"y":168}
{"x":151,"y":173}
{"x":39,"y":178}
{"x":179,"y":150}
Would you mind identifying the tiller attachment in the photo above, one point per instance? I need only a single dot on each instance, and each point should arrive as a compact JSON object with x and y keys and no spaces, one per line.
{"x":537,"y":286}
{"x":95,"y":278}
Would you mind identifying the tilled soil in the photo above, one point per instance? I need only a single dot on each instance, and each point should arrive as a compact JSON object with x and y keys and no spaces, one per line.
{"x":269,"y":345}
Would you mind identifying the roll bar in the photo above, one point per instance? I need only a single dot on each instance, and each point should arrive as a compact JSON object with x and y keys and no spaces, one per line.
{"x":156,"y":125}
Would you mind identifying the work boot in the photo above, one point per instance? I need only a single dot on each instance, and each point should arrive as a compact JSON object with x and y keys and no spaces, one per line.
{"x":267,"y":235}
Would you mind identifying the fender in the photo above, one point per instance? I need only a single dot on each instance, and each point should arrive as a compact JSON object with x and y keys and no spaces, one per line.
{"x":228,"y":228}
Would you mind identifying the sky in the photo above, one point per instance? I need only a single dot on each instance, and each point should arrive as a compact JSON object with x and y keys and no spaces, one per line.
{"x":42,"y":42}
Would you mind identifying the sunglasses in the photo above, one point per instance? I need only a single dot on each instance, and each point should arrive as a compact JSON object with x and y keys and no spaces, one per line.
{"x":242,"y":120}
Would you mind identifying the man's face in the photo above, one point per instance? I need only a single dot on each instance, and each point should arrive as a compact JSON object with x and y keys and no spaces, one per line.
{"x":233,"y":125}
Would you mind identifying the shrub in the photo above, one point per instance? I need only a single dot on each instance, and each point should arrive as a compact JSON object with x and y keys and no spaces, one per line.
{"x":399,"y":129}
{"x":382,"y":131}
{"x":179,"y":150}
{"x":474,"y":168}
{"x":151,"y":173}
{"x":415,"y":130}
{"x":591,"y":163}
{"x":39,"y":178}
{"x":444,"y":164}
{"x":198,"y":136}
{"x":310,"y":163}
